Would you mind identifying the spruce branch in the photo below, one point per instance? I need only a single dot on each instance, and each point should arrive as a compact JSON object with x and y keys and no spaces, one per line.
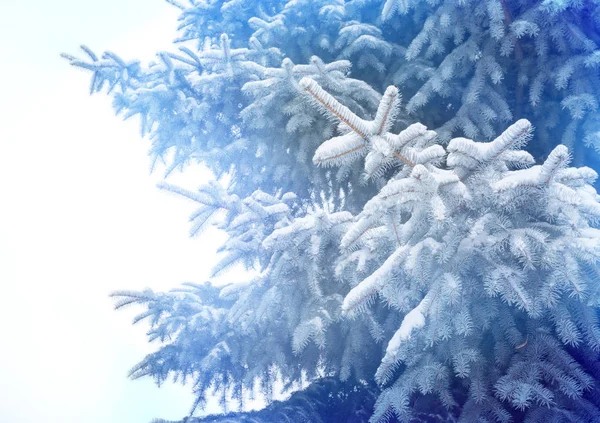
{"x":372,"y":136}
{"x":335,"y":108}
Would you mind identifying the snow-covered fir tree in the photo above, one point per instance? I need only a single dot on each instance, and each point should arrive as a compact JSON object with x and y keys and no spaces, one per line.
{"x":432,"y":261}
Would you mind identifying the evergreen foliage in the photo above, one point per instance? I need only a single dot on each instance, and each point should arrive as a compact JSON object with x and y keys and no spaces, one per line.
{"x":397,"y":258}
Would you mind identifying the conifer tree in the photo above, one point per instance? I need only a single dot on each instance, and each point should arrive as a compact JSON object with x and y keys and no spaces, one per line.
{"x":432,"y":261}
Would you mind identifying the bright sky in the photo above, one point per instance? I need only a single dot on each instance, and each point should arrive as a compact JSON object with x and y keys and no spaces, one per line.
{"x":80,"y":217}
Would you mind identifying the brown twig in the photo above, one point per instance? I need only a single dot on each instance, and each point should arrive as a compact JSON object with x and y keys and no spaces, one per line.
{"x":335,"y":113}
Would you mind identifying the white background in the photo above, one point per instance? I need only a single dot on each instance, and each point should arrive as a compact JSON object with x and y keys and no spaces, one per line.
{"x":80,"y":217}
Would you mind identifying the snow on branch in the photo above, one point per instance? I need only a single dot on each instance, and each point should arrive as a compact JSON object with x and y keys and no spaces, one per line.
{"x":371,"y":138}
{"x":466,"y":155}
{"x":361,"y":296}
{"x":485,"y":236}
{"x":413,"y":320}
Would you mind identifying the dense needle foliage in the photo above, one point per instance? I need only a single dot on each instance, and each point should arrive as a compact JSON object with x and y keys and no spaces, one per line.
{"x":435,"y":260}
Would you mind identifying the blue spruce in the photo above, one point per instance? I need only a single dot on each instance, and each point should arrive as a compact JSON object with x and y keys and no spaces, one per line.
{"x":432,"y":261}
